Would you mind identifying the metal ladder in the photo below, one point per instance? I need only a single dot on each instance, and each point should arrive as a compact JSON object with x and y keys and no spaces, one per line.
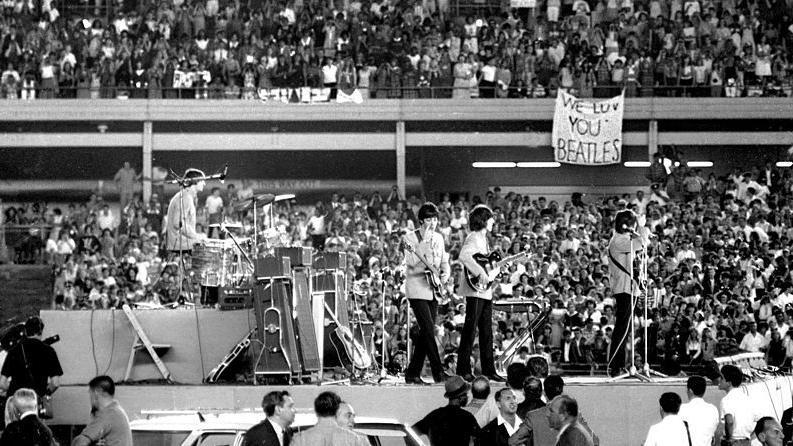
{"x":142,"y":342}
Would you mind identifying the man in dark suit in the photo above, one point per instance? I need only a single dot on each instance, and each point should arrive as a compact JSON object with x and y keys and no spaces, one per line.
{"x":532,"y":388}
{"x":710,"y":284}
{"x":563,"y":415}
{"x":28,"y":429}
{"x":274,"y":430}
{"x":577,"y":347}
{"x":498,"y":431}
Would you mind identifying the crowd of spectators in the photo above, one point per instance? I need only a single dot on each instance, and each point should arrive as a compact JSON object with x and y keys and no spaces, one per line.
{"x":719,"y":273}
{"x":298,"y":50}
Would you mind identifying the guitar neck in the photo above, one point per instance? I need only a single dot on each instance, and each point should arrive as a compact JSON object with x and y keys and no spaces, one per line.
{"x":511,"y":258}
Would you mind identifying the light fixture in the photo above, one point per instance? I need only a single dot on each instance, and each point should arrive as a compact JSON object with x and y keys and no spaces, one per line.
{"x":700,"y":164}
{"x":539,"y":164}
{"x":637,"y":164}
{"x":784,"y":163}
{"x":493,"y":164}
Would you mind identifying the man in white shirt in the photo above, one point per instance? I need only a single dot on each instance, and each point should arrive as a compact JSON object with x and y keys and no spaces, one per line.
{"x":498,"y":431}
{"x":672,"y":430}
{"x":736,"y":409}
{"x":702,"y":417}
{"x":105,"y":219}
{"x":214,"y":207}
{"x":752,"y":341}
{"x":641,"y":202}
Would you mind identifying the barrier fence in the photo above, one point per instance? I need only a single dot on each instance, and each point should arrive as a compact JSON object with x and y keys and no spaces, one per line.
{"x":308,"y":94}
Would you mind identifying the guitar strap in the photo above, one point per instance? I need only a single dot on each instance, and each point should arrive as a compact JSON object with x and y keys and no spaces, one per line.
{"x":620,"y":266}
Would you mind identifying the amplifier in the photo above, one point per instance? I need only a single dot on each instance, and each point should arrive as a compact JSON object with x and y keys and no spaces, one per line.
{"x":298,"y":256}
{"x":235,"y":298}
{"x":330,"y":260}
{"x":272,"y":267}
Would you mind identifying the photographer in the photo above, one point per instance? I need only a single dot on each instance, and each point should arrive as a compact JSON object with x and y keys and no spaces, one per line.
{"x":31,"y":363}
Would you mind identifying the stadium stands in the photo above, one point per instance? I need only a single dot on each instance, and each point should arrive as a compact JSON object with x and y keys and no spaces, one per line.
{"x":316,"y":51}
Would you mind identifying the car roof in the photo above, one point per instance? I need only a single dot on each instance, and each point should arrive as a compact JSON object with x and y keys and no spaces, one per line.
{"x":231,"y":421}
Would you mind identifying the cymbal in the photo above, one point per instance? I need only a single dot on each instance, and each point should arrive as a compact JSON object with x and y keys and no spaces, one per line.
{"x":283,"y":197}
{"x":248,"y":203}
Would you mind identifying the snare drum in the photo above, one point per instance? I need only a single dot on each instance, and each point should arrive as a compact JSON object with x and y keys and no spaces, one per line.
{"x":211,"y":261}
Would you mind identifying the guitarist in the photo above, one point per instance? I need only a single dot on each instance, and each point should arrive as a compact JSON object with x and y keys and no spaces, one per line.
{"x":630,"y":236}
{"x":429,"y":244}
{"x":478,"y":304}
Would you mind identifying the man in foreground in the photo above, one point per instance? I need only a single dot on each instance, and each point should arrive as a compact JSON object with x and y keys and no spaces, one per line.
{"x":274,"y":430}
{"x":327,"y":431}
{"x":450,"y":425}
{"x":109,"y":423}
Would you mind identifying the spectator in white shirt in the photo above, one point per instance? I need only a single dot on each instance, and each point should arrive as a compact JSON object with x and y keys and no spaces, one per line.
{"x":641,"y":202}
{"x":214,"y":207}
{"x":105,"y":219}
{"x":701,"y":416}
{"x":737,"y":410}
{"x":754,"y":340}
{"x":672,"y":430}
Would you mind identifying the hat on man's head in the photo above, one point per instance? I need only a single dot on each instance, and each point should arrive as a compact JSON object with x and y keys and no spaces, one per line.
{"x":455,"y":387}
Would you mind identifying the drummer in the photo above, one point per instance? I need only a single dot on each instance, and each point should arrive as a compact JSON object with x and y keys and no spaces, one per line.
{"x":183,"y":207}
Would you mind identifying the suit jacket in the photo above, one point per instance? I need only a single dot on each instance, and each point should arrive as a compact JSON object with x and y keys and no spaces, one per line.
{"x":494,"y":434}
{"x":578,"y":351}
{"x":185,"y":238}
{"x":328,"y":433}
{"x":709,"y":288}
{"x":575,"y":435}
{"x":432,"y":247}
{"x":29,"y":431}
{"x":474,"y":243}
{"x":263,"y":434}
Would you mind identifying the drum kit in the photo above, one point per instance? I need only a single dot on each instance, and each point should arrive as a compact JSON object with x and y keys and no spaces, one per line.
{"x":228,"y":261}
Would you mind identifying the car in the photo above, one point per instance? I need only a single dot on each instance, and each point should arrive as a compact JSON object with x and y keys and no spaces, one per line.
{"x":227,"y":429}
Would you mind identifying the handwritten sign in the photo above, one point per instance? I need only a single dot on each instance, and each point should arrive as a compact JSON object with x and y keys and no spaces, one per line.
{"x":522,"y":3}
{"x":587,"y":133}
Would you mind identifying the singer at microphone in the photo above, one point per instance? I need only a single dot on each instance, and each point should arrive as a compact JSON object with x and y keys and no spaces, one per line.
{"x":181,"y":218}
{"x":630,"y":236}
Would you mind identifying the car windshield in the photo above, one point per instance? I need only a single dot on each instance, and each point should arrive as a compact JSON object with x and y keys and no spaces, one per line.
{"x":159,"y":438}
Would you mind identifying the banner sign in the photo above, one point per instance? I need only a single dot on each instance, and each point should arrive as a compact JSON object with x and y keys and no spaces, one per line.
{"x":587,"y":133}
{"x":522,"y":3}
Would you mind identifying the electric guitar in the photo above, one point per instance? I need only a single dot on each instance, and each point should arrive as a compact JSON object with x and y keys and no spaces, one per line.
{"x":492,"y":263}
{"x":432,"y":274}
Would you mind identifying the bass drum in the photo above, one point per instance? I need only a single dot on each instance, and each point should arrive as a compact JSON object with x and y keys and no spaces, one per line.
{"x":210,"y":262}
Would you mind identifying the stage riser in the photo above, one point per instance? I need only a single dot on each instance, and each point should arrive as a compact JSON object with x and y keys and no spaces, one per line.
{"x":219,"y":333}
{"x":620,"y":413}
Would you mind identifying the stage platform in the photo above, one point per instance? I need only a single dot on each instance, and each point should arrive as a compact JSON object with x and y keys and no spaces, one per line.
{"x":98,"y":342}
{"x":620,"y":413}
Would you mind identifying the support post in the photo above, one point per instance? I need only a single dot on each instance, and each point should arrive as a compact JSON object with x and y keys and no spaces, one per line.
{"x":148,"y":143}
{"x":400,"y":157}
{"x":652,"y":138}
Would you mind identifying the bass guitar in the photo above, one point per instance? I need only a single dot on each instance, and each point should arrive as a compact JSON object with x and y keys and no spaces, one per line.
{"x":492,"y":263}
{"x":432,"y":274}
